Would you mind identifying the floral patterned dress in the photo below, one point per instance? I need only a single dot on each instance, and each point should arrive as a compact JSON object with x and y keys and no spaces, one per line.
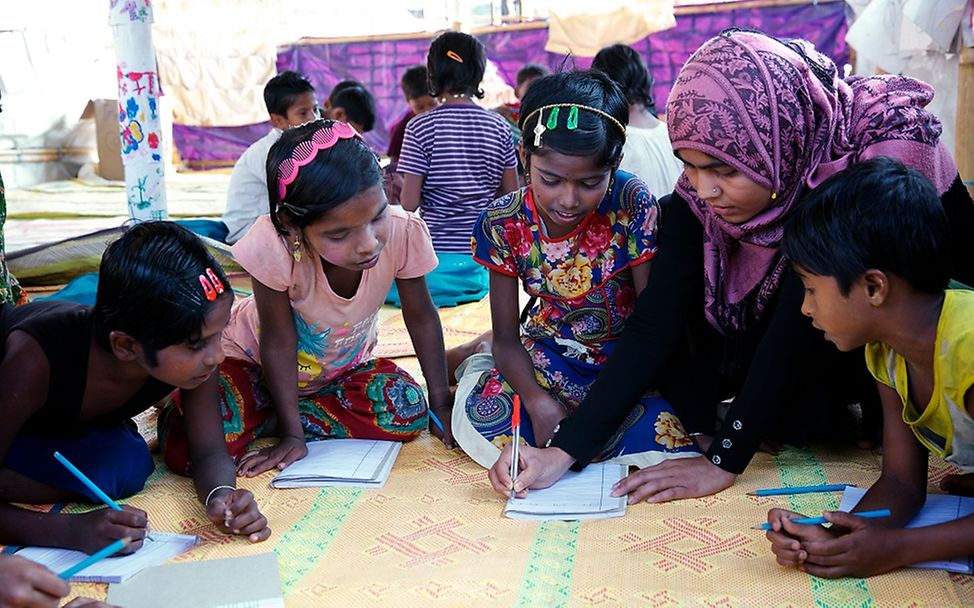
{"x":584,"y":290}
{"x":10,"y":291}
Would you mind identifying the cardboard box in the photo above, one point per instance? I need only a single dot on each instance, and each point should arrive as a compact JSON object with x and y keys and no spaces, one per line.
{"x":105,"y":113}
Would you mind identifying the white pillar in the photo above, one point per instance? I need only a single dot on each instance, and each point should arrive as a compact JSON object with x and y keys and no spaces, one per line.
{"x":140,"y":126}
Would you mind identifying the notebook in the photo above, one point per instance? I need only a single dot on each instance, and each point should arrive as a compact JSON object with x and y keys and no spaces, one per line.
{"x":237,"y":582}
{"x":156,"y":549}
{"x":355,"y":463}
{"x":938,"y":508}
{"x":577,"y":495}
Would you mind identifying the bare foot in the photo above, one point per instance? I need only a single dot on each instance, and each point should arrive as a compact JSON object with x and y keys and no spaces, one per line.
{"x":961,"y":485}
{"x":458,"y":354}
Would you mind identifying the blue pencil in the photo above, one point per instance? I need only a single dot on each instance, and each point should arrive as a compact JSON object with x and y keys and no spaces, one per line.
{"x":822,"y":520}
{"x":111,"y":549}
{"x":838,"y":487}
{"x":88,"y":483}
{"x":436,"y":421}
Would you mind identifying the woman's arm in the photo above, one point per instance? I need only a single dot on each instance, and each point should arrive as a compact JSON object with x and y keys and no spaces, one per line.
{"x":412,"y":191}
{"x":426,"y":333}
{"x":279,"y":365}
{"x":653,"y":333}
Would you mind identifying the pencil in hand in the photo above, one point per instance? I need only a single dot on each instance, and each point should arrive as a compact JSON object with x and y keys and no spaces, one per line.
{"x":516,"y":438}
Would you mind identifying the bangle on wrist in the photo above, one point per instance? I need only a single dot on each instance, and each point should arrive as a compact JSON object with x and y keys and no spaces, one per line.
{"x":206,"y":503}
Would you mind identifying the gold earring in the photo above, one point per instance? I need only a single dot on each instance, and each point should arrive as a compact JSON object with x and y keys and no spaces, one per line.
{"x":296,"y":249}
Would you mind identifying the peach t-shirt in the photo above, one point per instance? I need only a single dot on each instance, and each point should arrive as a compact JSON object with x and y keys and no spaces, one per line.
{"x":334,"y":333}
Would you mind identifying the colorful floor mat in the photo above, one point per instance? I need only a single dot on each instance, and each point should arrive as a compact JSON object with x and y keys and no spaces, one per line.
{"x":460,"y":324}
{"x":435,"y":536}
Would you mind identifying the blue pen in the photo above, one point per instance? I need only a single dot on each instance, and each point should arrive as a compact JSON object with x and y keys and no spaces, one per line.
{"x":838,"y":487}
{"x":436,"y":421}
{"x":111,"y":549}
{"x":88,"y":483}
{"x":822,"y":520}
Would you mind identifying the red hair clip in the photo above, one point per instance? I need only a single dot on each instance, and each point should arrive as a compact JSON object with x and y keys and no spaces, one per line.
{"x":212,"y":287}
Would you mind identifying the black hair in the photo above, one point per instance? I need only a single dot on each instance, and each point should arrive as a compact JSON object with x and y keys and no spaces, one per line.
{"x":456,"y":64}
{"x":875,"y":214}
{"x":625,"y":66}
{"x":530,"y":71}
{"x":415,"y":82}
{"x":595,"y":135}
{"x":283,"y":90}
{"x":335,"y":175}
{"x":341,"y":86}
{"x":359,"y":105}
{"x":149,"y":287}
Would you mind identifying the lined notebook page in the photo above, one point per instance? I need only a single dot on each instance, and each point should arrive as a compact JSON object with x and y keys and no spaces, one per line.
{"x":155,"y":550}
{"x":938,"y":509}
{"x":577,"y":495}
{"x":341,"y":462}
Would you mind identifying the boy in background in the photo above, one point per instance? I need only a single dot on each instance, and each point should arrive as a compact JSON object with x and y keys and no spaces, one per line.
{"x":871,"y":245}
{"x":351,"y":102}
{"x":290,"y":101}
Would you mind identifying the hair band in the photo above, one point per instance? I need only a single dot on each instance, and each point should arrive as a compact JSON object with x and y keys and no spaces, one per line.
{"x":325,"y":137}
{"x":572,"y":122}
{"x":454,"y":56}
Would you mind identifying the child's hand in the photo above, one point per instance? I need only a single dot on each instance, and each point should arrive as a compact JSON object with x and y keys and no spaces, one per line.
{"x":545,"y":413}
{"x":25,"y":584}
{"x":288,"y":450}
{"x":105,"y":526}
{"x":538,"y":468}
{"x":867,"y":548}
{"x":444,"y":415}
{"x":236,"y":512}
{"x":786,"y":537}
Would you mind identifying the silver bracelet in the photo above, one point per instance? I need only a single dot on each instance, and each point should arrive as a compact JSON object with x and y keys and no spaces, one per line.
{"x":206,"y":503}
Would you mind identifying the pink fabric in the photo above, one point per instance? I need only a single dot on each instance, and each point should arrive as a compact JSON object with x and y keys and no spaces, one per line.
{"x":334,"y":333}
{"x":756,"y":104}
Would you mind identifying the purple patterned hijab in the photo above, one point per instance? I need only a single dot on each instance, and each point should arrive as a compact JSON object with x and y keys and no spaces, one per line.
{"x":755,"y":104}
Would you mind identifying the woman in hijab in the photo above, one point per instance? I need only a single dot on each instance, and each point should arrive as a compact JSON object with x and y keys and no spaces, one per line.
{"x":757,"y":123}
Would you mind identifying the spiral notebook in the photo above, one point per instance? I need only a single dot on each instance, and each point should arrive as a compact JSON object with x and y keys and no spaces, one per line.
{"x":938,"y":509}
{"x":577,"y":495}
{"x":156,"y":549}
{"x":355,"y":463}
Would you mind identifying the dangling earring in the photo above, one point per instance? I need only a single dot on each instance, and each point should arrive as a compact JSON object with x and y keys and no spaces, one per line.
{"x":296,"y":249}
{"x":612,"y":184}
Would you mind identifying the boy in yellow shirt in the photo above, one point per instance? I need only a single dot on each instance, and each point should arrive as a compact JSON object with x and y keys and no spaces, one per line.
{"x":871,"y":247}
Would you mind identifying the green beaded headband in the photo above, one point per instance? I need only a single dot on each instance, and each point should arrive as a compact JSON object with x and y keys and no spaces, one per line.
{"x":571,"y":123}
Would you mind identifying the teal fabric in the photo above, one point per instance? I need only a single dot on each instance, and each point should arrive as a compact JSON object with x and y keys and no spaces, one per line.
{"x":457,"y":279}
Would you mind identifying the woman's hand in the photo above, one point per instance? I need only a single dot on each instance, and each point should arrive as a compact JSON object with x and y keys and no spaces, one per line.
{"x":674,"y":479}
{"x":236,"y":512}
{"x":288,"y":449}
{"x":537,"y":468}
{"x":98,"y":529}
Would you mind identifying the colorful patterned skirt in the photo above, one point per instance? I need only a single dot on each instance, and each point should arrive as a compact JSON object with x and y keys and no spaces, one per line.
{"x":376,"y":400}
{"x":481,"y":419}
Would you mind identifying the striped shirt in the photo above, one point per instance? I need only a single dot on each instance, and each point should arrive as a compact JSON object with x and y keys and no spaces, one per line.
{"x":462,"y":150}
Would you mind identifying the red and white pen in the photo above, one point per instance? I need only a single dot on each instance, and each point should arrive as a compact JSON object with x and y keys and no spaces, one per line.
{"x":516,"y":431}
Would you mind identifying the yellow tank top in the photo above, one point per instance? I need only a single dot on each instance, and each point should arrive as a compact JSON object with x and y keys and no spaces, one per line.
{"x":944,"y":425}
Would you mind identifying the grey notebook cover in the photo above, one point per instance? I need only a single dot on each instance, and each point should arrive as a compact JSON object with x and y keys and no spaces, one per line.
{"x":239,"y":582}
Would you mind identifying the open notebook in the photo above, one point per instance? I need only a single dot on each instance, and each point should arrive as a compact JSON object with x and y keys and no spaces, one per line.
{"x":938,"y":509}
{"x":577,"y":495}
{"x":156,"y":549}
{"x":357,"y":463}
{"x":236,"y":582}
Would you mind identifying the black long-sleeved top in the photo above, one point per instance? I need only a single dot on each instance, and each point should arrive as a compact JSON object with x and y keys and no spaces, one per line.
{"x":668,"y":346}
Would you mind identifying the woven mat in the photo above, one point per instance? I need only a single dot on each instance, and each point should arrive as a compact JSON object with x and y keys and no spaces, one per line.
{"x":460,"y":324}
{"x":435,"y":536}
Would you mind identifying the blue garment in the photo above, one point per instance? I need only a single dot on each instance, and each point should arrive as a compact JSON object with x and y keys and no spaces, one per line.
{"x":115,"y":457}
{"x":456,"y":280}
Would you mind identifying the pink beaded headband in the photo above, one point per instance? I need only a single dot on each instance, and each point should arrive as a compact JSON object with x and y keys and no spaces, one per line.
{"x":324,"y":138}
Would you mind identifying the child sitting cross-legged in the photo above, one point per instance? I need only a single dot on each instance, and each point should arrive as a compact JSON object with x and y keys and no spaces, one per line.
{"x":871,"y":245}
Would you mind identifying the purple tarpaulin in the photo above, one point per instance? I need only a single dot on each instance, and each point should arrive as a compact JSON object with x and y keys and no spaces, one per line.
{"x":378,"y":64}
